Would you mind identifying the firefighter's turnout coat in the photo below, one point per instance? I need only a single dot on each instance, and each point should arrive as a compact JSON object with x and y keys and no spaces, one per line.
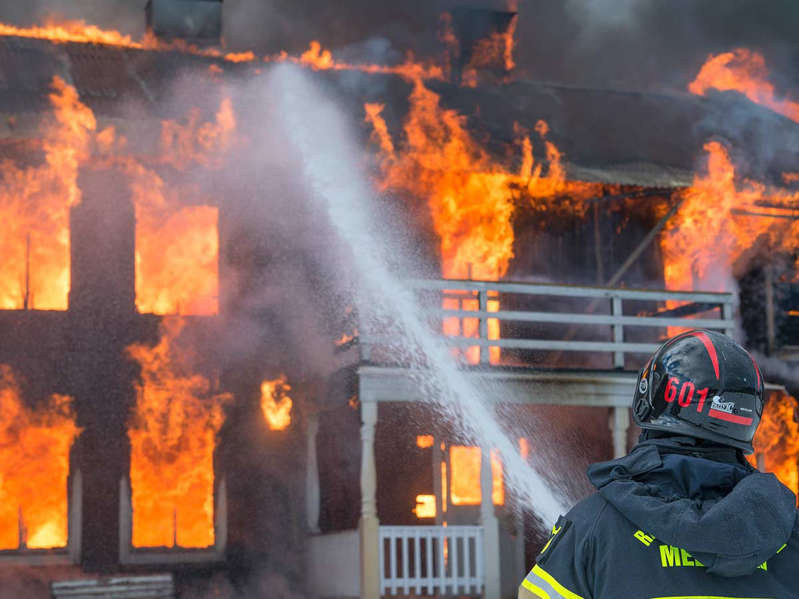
{"x":673,"y":520}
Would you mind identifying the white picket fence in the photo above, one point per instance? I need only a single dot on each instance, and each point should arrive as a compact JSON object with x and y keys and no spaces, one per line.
{"x":427,"y":560}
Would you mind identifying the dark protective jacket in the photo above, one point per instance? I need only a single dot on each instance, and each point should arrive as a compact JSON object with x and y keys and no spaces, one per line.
{"x":673,"y":520}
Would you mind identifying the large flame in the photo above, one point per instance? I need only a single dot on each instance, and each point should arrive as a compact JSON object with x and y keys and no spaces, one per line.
{"x":34,"y":208}
{"x":34,"y":466}
{"x":471,"y":196}
{"x":711,"y":231}
{"x":777,"y":440}
{"x":743,"y":71}
{"x":172,"y":437}
{"x":276,"y":403}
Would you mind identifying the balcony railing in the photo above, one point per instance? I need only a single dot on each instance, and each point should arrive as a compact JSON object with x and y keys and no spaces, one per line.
{"x":431,"y":560}
{"x":547,"y":325}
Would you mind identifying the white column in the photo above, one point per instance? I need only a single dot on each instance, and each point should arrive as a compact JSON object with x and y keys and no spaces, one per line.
{"x":490,"y":524}
{"x":312,"y":475}
{"x":619,"y":424}
{"x":369,"y":525}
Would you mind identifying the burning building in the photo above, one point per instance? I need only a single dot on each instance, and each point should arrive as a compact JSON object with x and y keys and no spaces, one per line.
{"x":170,"y":363}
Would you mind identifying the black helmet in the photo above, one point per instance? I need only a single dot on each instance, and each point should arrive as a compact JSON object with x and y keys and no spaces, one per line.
{"x":701,"y":384}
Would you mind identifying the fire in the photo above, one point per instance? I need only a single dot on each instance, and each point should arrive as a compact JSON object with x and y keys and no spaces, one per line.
{"x":777,"y":440}
{"x":34,"y":208}
{"x":84,"y":33}
{"x":493,"y":50}
{"x":471,"y":196}
{"x":276,"y":403}
{"x":743,"y":71}
{"x":34,"y":466}
{"x":177,"y":246}
{"x":424,"y":441}
{"x":708,"y":234}
{"x":425,"y":506}
{"x":465,"y":480}
{"x":172,"y":436}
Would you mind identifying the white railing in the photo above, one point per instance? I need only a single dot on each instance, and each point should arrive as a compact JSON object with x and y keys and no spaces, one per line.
{"x":428,"y":560}
{"x":616,"y":320}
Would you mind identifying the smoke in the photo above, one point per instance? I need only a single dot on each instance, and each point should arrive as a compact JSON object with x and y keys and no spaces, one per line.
{"x":778,"y":371}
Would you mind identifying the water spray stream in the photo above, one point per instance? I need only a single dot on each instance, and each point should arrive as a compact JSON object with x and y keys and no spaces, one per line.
{"x":322,"y":137}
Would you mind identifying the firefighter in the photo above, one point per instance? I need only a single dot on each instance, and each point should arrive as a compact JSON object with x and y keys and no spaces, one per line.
{"x":683,"y":515}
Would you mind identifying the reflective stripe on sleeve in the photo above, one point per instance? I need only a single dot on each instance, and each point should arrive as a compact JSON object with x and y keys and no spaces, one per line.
{"x":542,"y":584}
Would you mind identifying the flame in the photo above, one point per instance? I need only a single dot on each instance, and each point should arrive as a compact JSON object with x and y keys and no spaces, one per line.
{"x":777,"y":440}
{"x":424,"y":441}
{"x":471,"y":196}
{"x":77,"y":31}
{"x":465,"y":481}
{"x":524,"y":448}
{"x":34,"y":466}
{"x":172,"y":437}
{"x":177,"y":246}
{"x":708,"y":234}
{"x":425,"y":506}
{"x":496,"y":49}
{"x":34,"y":208}
{"x":276,"y":404}
{"x":743,"y":71}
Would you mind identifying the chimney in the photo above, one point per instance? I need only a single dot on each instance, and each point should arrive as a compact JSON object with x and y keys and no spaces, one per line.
{"x":197,"y":21}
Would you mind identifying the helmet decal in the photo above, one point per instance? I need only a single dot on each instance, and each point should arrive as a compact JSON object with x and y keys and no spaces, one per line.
{"x":711,"y":350}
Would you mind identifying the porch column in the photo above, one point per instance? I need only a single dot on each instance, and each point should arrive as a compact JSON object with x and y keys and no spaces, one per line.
{"x":490,"y":524}
{"x":369,"y":526}
{"x":619,"y":424}
{"x":312,"y":475}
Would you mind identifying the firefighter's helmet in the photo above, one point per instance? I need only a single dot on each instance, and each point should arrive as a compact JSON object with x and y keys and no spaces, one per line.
{"x":701,"y":384}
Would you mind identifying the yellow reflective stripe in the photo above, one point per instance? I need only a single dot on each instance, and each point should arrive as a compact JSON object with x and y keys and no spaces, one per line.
{"x":544,"y":575}
{"x":781,"y":548}
{"x":535,"y":590}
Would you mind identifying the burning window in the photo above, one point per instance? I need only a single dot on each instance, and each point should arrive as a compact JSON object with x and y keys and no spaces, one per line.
{"x":173,"y":436}
{"x":34,"y":466}
{"x":465,"y":476}
{"x":177,"y":260}
{"x":34,"y":208}
{"x":276,"y":404}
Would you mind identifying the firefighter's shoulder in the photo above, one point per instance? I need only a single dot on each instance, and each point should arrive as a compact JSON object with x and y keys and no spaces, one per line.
{"x":563,"y":568}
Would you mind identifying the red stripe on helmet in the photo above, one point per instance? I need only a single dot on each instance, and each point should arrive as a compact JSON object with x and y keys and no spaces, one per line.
{"x":730,"y":417}
{"x":758,"y":376}
{"x":711,"y":350}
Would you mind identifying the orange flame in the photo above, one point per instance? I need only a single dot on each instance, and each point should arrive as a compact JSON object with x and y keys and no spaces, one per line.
{"x":177,"y":246}
{"x":708,"y":234}
{"x":743,"y":71}
{"x":276,"y":404}
{"x":777,"y":440}
{"x":425,"y":506}
{"x":494,"y":50}
{"x":34,"y":466}
{"x":34,"y":208}
{"x":172,"y":437}
{"x":424,"y":441}
{"x":471,"y":196}
{"x":465,"y":476}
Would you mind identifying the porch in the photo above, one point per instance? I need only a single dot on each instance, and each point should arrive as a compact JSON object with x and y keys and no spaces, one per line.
{"x":543,"y":344}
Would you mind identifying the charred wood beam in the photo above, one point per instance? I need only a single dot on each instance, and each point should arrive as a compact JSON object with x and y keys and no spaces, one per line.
{"x":641,"y":194}
{"x":740,"y":212}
